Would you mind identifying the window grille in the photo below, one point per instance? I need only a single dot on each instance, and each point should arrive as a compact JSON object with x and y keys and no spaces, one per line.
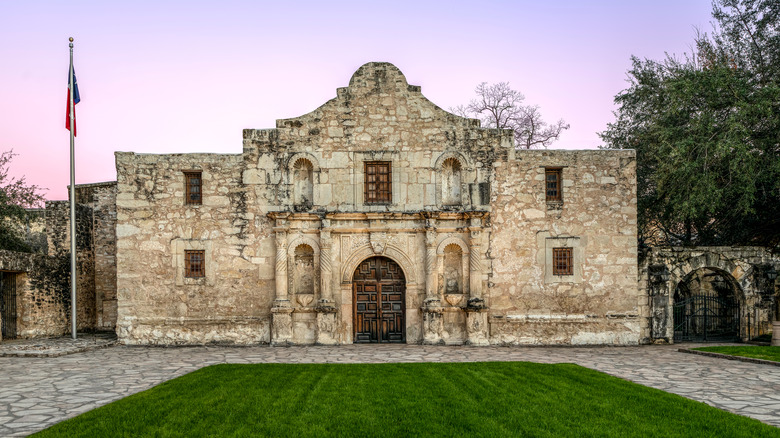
{"x":552,"y":179}
{"x":193,"y":184}
{"x":194,"y":263}
{"x":562,"y":261}
{"x":378,"y":183}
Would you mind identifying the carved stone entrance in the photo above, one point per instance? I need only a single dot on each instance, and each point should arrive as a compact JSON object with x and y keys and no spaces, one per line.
{"x":378,"y":287}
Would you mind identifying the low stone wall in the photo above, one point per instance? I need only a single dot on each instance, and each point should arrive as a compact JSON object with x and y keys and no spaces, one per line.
{"x":41,"y":294}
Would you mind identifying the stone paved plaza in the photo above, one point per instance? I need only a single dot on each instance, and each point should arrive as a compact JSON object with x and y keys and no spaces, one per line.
{"x":36,"y":392}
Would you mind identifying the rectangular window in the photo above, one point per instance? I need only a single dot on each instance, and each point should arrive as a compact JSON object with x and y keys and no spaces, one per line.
{"x":193,"y":184}
{"x":562,"y":261}
{"x":553,"y":184}
{"x":194,"y":263}
{"x":378,"y":183}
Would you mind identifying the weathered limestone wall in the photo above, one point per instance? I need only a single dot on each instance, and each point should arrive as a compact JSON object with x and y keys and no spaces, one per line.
{"x":58,"y":232}
{"x":156,"y":303}
{"x":600,"y":303}
{"x":103,"y":204}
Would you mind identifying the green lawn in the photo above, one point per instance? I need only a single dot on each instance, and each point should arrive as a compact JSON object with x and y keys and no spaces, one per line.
{"x":754,"y":351}
{"x":429,"y":399}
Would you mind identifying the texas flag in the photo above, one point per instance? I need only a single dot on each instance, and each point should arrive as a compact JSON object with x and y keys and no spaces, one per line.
{"x":76,"y":99}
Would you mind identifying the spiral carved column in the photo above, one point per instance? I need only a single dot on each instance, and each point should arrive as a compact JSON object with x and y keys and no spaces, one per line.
{"x":475,"y":266}
{"x":281,"y":269}
{"x":430,"y":265}
{"x":281,"y":312}
{"x":326,"y":310}
{"x":432,"y":310}
{"x":476,"y":311}
{"x":326,"y":294}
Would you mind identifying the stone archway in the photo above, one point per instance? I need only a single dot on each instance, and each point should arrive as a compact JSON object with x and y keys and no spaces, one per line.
{"x":707,"y":306}
{"x":379,"y":302}
{"x":742,"y":270}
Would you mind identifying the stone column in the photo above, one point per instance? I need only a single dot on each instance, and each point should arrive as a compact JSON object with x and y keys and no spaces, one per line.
{"x":326,"y":310}
{"x":281,"y":312}
{"x":475,"y":266}
{"x":432,"y":310}
{"x":476,"y":311}
{"x":465,"y":268}
{"x":430,"y":266}
{"x":661,"y":319}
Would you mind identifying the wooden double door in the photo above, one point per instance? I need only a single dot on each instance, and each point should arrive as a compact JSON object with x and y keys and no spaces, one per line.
{"x":378,"y":296}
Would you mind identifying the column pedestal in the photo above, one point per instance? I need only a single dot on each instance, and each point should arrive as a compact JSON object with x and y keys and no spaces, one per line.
{"x":433,"y":322}
{"x":281,"y":323}
{"x":326,"y":324}
{"x":477,"y":326}
{"x":776,"y":333}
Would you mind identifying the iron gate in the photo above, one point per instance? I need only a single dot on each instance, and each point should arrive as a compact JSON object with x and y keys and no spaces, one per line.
{"x":706,"y":318}
{"x":8,"y":304}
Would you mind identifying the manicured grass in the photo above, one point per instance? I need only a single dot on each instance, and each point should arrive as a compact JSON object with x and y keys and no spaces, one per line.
{"x":754,"y":351}
{"x":430,"y":399}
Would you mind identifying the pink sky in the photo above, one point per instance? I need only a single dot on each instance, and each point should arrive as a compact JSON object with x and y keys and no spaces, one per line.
{"x":188,"y":76}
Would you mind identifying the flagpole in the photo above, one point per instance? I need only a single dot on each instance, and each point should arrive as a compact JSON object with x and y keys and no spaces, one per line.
{"x":72,"y":197}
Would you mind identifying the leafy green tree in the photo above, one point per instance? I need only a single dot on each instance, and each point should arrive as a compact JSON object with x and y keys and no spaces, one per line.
{"x":16,"y":197}
{"x":706,"y":128}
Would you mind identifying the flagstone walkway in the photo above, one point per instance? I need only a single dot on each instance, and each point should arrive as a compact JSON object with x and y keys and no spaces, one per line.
{"x":36,"y":392}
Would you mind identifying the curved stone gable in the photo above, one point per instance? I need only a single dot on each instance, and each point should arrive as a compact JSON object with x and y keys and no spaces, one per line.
{"x":377,"y":91}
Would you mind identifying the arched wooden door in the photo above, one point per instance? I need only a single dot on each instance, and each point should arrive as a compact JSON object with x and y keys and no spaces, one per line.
{"x":378,"y":296}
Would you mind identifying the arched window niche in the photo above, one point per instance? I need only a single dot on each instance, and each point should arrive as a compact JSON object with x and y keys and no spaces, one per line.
{"x":451,"y":182}
{"x":304,"y":270}
{"x":453,"y":269}
{"x":454,"y":177}
{"x":303,"y":184}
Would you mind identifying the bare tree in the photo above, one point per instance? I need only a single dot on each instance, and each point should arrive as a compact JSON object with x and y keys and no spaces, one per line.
{"x":499,"y":106}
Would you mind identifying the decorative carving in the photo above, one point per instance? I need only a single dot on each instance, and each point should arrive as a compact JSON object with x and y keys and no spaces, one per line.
{"x":475,"y":264}
{"x":430,"y":237}
{"x":304,"y":299}
{"x":454,"y":299}
{"x":359,"y":240}
{"x":352,"y":261}
{"x":378,"y":241}
{"x":325,"y":265}
{"x":281,"y":252}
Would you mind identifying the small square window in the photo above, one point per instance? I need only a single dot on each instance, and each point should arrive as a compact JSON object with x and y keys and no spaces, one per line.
{"x":193,"y":184}
{"x":562,"y":263}
{"x":194,"y":263}
{"x":378,"y":183}
{"x":553,"y":184}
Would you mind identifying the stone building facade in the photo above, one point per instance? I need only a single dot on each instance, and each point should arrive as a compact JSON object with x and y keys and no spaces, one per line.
{"x":378,"y":217}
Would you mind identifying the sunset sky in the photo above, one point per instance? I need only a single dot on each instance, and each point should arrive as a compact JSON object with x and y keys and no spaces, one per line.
{"x":188,"y":76}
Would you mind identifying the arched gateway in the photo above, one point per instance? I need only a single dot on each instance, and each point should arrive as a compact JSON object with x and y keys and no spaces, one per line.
{"x":378,"y":291}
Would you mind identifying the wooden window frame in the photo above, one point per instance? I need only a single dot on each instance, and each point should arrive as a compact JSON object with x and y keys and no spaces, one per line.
{"x":194,"y":263}
{"x":563,"y":261}
{"x":553,"y":193}
{"x":374,"y":191}
{"x":189,"y":176}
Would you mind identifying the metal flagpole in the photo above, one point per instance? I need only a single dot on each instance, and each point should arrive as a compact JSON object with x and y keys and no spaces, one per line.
{"x":72,"y":197}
